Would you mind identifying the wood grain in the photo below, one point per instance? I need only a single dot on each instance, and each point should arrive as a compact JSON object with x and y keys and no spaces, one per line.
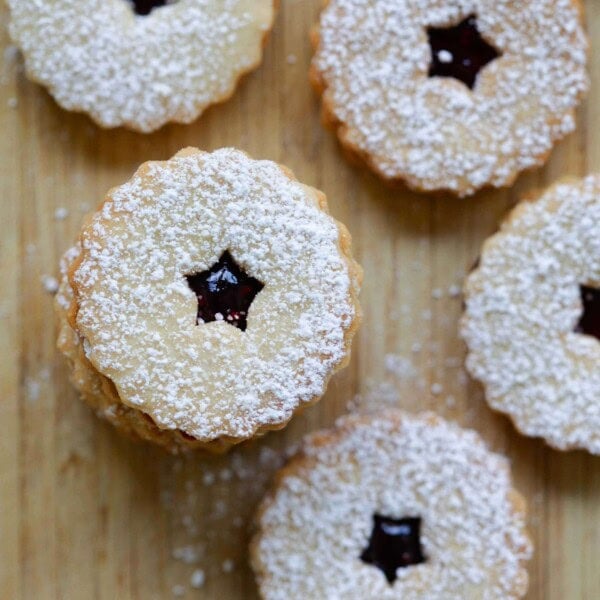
{"x":86,"y":514}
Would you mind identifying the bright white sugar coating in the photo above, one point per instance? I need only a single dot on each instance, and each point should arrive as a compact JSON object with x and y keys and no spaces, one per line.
{"x":99,"y":57}
{"x":320,"y":518}
{"x":435,"y":133}
{"x":137,"y":314}
{"x":523,"y":303}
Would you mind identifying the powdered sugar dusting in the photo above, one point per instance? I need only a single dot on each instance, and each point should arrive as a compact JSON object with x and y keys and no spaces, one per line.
{"x":523,"y":303}
{"x":123,"y":69}
{"x":137,"y":313}
{"x":373,"y":61}
{"x":317,"y":522}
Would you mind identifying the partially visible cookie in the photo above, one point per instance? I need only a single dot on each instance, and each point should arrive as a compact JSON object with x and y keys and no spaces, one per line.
{"x":532,"y":317}
{"x":140,"y":63}
{"x":98,"y":391}
{"x":448,"y":95}
{"x":208,"y":300}
{"x":392,"y":506}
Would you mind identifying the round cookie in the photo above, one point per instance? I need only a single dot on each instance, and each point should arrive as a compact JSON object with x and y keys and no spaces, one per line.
{"x":142,"y":63}
{"x":532,"y":316}
{"x":392,"y":506}
{"x":212,"y":294}
{"x":450,"y":95}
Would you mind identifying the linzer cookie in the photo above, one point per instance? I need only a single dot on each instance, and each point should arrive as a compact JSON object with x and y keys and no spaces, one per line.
{"x":208,"y":299}
{"x":140,"y":63}
{"x":392,"y":506}
{"x":532,"y":318}
{"x":448,"y":95}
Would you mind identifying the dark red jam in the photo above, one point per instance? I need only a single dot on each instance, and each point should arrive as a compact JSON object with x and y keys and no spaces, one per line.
{"x":589,"y":324}
{"x":224,"y":292}
{"x":145,"y":7}
{"x":394,"y":543}
{"x":459,"y":51}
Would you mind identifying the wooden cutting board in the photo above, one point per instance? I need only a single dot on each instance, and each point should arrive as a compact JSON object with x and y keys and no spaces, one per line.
{"x":87,"y":514}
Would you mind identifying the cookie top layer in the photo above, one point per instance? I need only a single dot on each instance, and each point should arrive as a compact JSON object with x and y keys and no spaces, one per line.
{"x":138,"y":316}
{"x":523,"y":307}
{"x":99,"y":57}
{"x":373,"y":61}
{"x":318,"y":520}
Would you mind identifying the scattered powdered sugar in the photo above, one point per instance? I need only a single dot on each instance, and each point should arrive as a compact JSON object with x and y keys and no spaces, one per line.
{"x":228,"y":566}
{"x":435,"y":133}
{"x":400,"y":366}
{"x":35,"y":385}
{"x":437,"y":389}
{"x":10,"y":64}
{"x":454,"y":291}
{"x":50,"y":284}
{"x":197,"y":579}
{"x":318,"y":519}
{"x":444,"y":56}
{"x":32,"y":389}
{"x":61,"y":213}
{"x":189,"y":554}
{"x":208,"y":520}
{"x":377,"y":396}
{"x":10,"y":56}
{"x":137,"y":315}
{"x":123,"y":69}
{"x":522,"y":306}
{"x":411,"y":376}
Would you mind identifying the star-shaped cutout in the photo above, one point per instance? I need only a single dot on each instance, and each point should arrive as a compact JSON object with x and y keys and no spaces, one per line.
{"x":589,"y":324}
{"x":459,"y":51}
{"x":394,"y":543}
{"x":224,"y":292}
{"x":145,"y":7}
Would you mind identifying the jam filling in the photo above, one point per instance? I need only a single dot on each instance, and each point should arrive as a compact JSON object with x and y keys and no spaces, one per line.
{"x":589,"y":324}
{"x":224,"y":292}
{"x":459,"y":51}
{"x":394,"y":543}
{"x":145,"y":7}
